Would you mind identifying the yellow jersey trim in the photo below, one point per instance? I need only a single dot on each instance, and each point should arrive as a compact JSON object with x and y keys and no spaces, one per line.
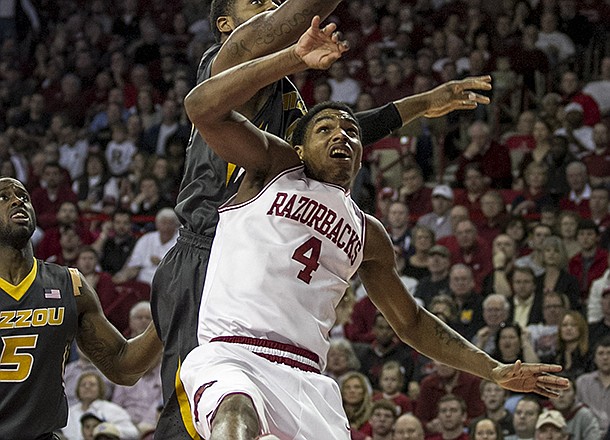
{"x":185,"y":407}
{"x":17,"y":292}
{"x":76,"y":281}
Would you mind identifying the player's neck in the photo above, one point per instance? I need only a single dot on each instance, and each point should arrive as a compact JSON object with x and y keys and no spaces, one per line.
{"x":15,"y":264}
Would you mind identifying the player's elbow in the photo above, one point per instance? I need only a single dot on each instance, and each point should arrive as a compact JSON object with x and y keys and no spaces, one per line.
{"x":196,"y":108}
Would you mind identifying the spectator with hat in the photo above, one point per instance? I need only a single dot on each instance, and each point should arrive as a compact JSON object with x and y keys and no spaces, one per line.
{"x":580,"y":136}
{"x":88,"y":423}
{"x":439,"y":219}
{"x":438,"y":281}
{"x":106,"y":431}
{"x":551,"y":426}
{"x":572,"y":93}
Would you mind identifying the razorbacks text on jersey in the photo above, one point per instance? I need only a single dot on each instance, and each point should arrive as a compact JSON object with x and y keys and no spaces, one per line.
{"x":281,"y":262}
{"x":38,"y":322}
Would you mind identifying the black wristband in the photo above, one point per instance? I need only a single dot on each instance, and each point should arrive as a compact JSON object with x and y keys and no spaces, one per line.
{"x":378,"y":123}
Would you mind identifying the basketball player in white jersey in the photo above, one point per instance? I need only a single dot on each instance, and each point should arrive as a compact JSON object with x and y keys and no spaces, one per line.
{"x":286,"y":246}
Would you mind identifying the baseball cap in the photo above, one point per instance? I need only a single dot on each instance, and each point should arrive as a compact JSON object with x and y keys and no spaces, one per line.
{"x":551,"y":417}
{"x":90,"y":415}
{"x":443,"y":191}
{"x":573,"y":107}
{"x":106,"y":429}
{"x":438,"y":249}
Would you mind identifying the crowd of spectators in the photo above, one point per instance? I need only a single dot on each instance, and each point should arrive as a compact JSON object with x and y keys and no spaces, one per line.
{"x":499,"y":216}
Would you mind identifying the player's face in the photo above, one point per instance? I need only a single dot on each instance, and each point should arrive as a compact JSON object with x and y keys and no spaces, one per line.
{"x":333,"y":149}
{"x":17,"y":218}
{"x":244,"y":10}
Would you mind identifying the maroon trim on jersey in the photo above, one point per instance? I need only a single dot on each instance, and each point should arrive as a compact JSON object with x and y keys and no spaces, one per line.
{"x":226,"y":206}
{"x":266,"y":343}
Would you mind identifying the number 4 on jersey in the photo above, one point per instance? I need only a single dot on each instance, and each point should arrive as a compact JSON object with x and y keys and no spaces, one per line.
{"x":308,"y":254}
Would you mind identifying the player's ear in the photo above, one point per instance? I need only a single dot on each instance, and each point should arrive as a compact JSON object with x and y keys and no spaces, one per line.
{"x":299,"y":150}
{"x":225,"y":24}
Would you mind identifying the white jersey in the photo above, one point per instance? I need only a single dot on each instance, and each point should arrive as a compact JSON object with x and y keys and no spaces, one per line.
{"x":281,"y":262}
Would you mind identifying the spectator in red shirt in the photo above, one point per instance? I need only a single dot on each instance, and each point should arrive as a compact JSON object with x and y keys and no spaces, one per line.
{"x":414,"y":193}
{"x":599,"y":204}
{"x":598,"y":161}
{"x":580,"y":191}
{"x":441,"y":382}
{"x":492,"y":156}
{"x":452,"y":417}
{"x":50,"y":195}
{"x":591,"y":262}
{"x":472,"y":251}
{"x":572,"y":92}
{"x":495,"y":217}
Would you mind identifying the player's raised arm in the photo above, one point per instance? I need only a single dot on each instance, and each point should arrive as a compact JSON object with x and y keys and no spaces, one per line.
{"x":432,"y":337}
{"x":122,"y":361}
{"x":211,"y":104}
{"x":267,"y":32}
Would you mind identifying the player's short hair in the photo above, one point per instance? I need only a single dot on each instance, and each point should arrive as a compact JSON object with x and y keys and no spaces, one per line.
{"x":219,"y":8}
{"x":300,"y":130}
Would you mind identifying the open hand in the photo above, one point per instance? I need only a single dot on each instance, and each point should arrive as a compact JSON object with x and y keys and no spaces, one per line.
{"x":458,"y":95}
{"x":320,"y":47}
{"x":530,"y":378}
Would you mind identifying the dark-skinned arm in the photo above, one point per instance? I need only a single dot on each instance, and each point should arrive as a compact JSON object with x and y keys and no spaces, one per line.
{"x":120,"y":360}
{"x":426,"y":333}
{"x":270,"y":32}
{"x":210,"y":106}
{"x":453,"y":95}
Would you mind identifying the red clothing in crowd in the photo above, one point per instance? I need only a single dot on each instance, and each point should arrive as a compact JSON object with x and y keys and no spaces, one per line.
{"x":598,"y":165}
{"x":49,"y":245}
{"x":419,"y":203}
{"x":597,"y":269}
{"x":495,"y":164}
{"x":360,"y":329}
{"x":478,"y":258}
{"x":46,"y":209}
{"x":432,"y":389}
{"x":402,"y":401}
{"x":591,"y":113}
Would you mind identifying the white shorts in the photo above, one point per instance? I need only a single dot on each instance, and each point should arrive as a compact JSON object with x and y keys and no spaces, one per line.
{"x":290,"y":403}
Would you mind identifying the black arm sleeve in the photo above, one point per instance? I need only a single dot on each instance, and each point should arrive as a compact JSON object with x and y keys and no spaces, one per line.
{"x":378,"y":123}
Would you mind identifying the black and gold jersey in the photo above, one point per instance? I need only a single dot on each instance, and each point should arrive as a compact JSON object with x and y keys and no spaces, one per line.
{"x":208,"y":180}
{"x":38,"y":322}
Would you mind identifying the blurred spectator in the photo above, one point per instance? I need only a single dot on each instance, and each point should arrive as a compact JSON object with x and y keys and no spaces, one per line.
{"x":155,"y":137}
{"x":341,"y":359}
{"x":494,"y":397}
{"x":150,"y":249}
{"x":476,"y":184}
{"x":360,"y":326}
{"x":558,"y":47}
{"x":344,"y":88}
{"x":446,"y":380}
{"x":118,"y":242}
{"x":90,"y":393}
{"x":541,"y":132}
{"x":73,"y":151}
{"x":549,"y":108}
{"x":555,"y":277}
{"x":495,"y":216}
{"x":470,"y":310}
{"x":97,"y":191}
{"x":391,"y":383}
{"x":504,"y":253}
{"x":414,"y":193}
{"x":522,"y":138}
{"x":398,"y":228}
{"x":69,"y":242}
{"x":599,"y":205}
{"x":598,"y":160}
{"x":493,"y":157}
{"x":439,"y":220}
{"x":88,"y":423}
{"x":535,"y":259}
{"x":381,"y":421}
{"x":437,"y":282}
{"x":150,"y":200}
{"x":408,"y":427}
{"x":524,"y":418}
{"x":544,"y":335}
{"x":572,"y":345}
{"x":495,"y":314}
{"x":579,"y":135}
{"x":53,"y":192}
{"x":485,"y":428}
{"x":146,"y":109}
{"x":120,"y":151}
{"x":416,"y":266}
{"x":516,"y":228}
{"x":471,"y":250}
{"x":568,"y":227}
{"x":75,"y":369}
{"x":385,"y":347}
{"x":526,"y":306}
{"x":160,"y":169}
{"x":600,"y":88}
{"x":581,"y":422}
{"x":571,"y":90}
{"x":598,"y":289}
{"x":551,"y":425}
{"x":356,"y":394}
{"x":592,"y":388}
{"x":394,"y":87}
{"x":452,"y":417}
{"x":591,"y":262}
{"x":527,"y":59}
{"x":561,"y":157}
{"x":126,"y":25}
{"x":138,"y":400}
{"x":512,"y":345}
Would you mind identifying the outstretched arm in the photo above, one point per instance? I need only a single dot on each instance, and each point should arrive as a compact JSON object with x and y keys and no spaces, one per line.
{"x":122,"y":361}
{"x":270,"y":32}
{"x":432,"y":337}
{"x":453,"y":95}
{"x":211,"y":104}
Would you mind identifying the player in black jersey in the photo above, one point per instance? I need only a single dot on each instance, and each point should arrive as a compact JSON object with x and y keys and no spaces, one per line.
{"x":43,"y":307}
{"x":245,"y":30}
